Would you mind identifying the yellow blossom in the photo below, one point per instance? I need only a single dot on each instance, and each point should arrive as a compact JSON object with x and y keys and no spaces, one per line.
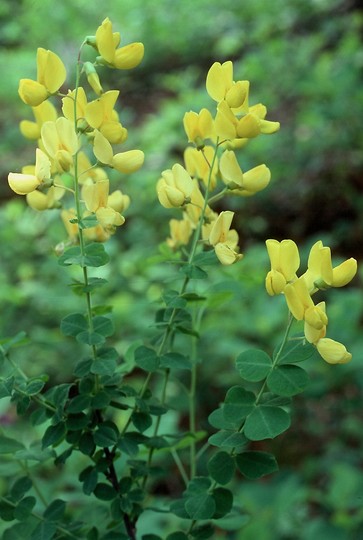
{"x":93,"y":78}
{"x":125,"y":162}
{"x":198,"y":163}
{"x":285,"y":261}
{"x":247,"y":183}
{"x":100,"y":114}
{"x":220,"y":86}
{"x":223,"y":239}
{"x":250,"y":125}
{"x":180,"y":232}
{"x":42,"y":113}
{"x":60,"y":142}
{"x":42,"y":201}
{"x":333,"y":352}
{"x":199,"y":126}
{"x":51,"y":74}
{"x":95,"y":196}
{"x":107,"y":43}
{"x":174,"y":187}
{"x":302,"y":306}
{"x":24,"y":183}
{"x":321,"y":274}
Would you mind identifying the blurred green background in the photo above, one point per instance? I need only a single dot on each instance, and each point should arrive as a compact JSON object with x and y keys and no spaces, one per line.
{"x":304,"y":60}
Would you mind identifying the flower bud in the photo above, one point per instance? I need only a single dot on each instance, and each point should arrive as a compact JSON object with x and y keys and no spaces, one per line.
{"x":93,"y":78}
{"x":332,"y":351}
{"x":32,"y":92}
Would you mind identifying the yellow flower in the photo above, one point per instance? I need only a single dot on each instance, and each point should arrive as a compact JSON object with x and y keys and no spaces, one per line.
{"x":302,"y":306}
{"x":126,"y":57}
{"x":321,"y":274}
{"x":42,"y":201}
{"x":198,"y":127}
{"x":95,"y":196}
{"x":100,"y":114}
{"x":333,"y":352}
{"x":180,"y":232}
{"x":51,"y":74}
{"x":93,"y":78}
{"x":223,"y":239}
{"x":60,"y":142}
{"x":285,"y":261}
{"x":195,"y":207}
{"x":68,"y":104}
{"x":313,"y":334}
{"x":23,"y":184}
{"x":125,"y":162}
{"x":42,"y":113}
{"x":118,"y":201}
{"x":220,"y":86}
{"x":247,"y":183}
{"x":175,"y":187}
{"x":197,"y":163}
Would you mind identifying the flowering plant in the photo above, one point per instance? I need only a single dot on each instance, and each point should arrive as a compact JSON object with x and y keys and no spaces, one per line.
{"x":121,"y":429}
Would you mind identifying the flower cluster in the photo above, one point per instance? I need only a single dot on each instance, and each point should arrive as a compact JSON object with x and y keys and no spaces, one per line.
{"x":77,"y":141}
{"x":298,"y":291}
{"x":211,"y":169}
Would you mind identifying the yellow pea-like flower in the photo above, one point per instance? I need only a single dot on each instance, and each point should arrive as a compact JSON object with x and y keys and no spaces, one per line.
{"x":174,"y":187}
{"x":107,"y":43}
{"x":24,"y":183}
{"x":199,"y":127}
{"x":332,"y":351}
{"x":285,"y":261}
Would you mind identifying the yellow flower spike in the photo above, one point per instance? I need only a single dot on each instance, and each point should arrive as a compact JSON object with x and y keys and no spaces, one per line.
{"x":220,"y":228}
{"x":198,"y":126}
{"x":332,"y":351}
{"x":22,"y":184}
{"x":174,"y":187}
{"x":118,"y":201}
{"x":60,"y":142}
{"x":285,"y":261}
{"x":180,"y":232}
{"x":198,"y":163}
{"x":106,"y":42}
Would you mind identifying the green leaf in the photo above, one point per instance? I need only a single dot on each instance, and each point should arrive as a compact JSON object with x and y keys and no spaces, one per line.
{"x":90,"y":338}
{"x":199,"y":484}
{"x":227,"y":439}
{"x":287,"y":380}
{"x":106,"y":435}
{"x":20,"y":487}
{"x":105,"y":492}
{"x":104,"y":365}
{"x":146,"y":359}
{"x":89,"y":477}
{"x":178,"y":508}
{"x":54,"y":435}
{"x":173,"y":299}
{"x":193,"y":272}
{"x":224,"y":501}
{"x":79,"y":403}
{"x":74,"y":324}
{"x":71,"y":256}
{"x":203,"y":531}
{"x":175,"y":361}
{"x":256,"y":464}
{"x":266,"y":422}
{"x":103,"y":325}
{"x":6,"y":511}
{"x":95,"y":255}
{"x":221,"y":467}
{"x":86,"y":444}
{"x":55,"y":511}
{"x":218,"y":421}
{"x":20,"y":531}
{"x":19,"y":339}
{"x":34,"y":386}
{"x":253,"y":365}
{"x":142,"y":421}
{"x":44,"y":531}
{"x":237,"y":404}
{"x":201,"y":506}
{"x":24,"y":508}
{"x":9,"y":446}
{"x":295,"y":351}
{"x":178,"y":535}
